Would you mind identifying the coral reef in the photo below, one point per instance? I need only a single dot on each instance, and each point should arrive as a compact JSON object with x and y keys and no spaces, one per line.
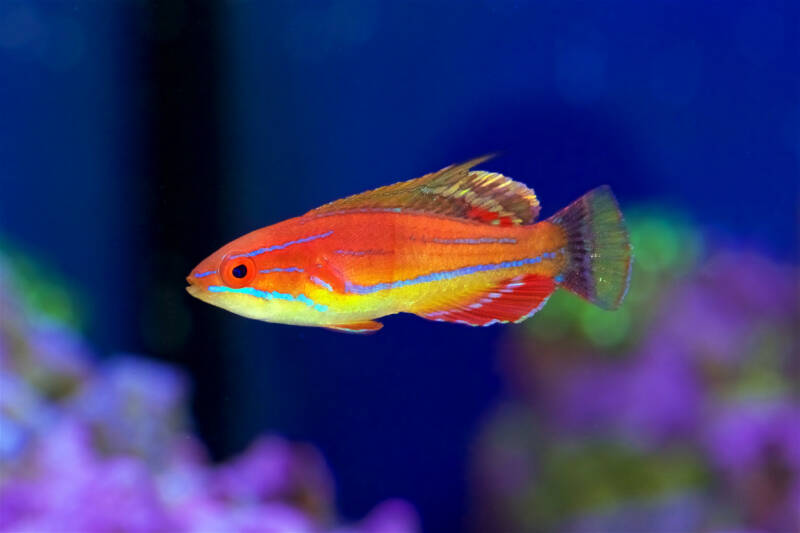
{"x":680,"y":412}
{"x":105,"y":446}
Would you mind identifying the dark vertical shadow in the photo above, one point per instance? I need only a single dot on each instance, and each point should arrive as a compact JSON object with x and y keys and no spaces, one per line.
{"x":182,"y":215}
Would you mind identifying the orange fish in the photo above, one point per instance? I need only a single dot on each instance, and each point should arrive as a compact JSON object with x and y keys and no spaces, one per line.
{"x":458,"y":245}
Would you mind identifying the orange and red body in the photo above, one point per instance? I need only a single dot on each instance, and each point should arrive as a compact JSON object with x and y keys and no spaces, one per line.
{"x":345,"y":264}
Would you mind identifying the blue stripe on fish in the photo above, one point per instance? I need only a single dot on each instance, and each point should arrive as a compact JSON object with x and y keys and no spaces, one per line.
{"x":321,"y":283}
{"x":351,"y":252}
{"x":284,"y":245}
{"x":204,"y":274}
{"x":250,"y":291}
{"x":481,"y":240}
{"x":278,"y":269}
{"x":449,"y":274}
{"x":362,"y":252}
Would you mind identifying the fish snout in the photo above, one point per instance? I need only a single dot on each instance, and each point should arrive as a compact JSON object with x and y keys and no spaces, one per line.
{"x":198,"y":281}
{"x":194,"y":286}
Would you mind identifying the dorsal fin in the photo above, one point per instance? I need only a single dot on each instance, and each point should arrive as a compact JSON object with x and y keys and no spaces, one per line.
{"x":454,"y":191}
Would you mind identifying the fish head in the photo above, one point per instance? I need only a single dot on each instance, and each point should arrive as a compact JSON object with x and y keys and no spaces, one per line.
{"x":241,"y":277}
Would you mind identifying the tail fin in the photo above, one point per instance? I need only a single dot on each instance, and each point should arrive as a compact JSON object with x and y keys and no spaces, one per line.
{"x":598,"y":250}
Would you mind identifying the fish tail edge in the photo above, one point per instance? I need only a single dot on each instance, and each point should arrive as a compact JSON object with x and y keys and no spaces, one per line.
{"x":599,"y":253}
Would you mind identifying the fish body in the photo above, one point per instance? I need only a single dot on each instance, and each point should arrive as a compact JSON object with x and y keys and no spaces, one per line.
{"x":456,"y":246}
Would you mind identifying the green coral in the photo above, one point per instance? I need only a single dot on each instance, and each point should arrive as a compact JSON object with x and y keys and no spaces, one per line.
{"x":43,"y":291}
{"x":589,"y":476}
{"x":666,"y":246}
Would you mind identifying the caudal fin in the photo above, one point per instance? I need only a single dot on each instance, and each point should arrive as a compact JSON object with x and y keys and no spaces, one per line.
{"x":598,"y":249}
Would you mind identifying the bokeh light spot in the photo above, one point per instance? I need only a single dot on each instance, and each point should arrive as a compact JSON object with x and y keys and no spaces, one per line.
{"x":67,"y":45}
{"x":605,"y":328}
{"x":581,"y":73}
{"x":676,"y":76}
{"x":19,"y":26}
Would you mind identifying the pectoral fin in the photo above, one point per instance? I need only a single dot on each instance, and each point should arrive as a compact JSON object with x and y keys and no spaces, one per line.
{"x":327,"y":276}
{"x":369,"y":326}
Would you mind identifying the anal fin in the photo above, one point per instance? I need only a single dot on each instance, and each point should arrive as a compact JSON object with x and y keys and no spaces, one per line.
{"x":368,"y":326}
{"x":512,"y":300}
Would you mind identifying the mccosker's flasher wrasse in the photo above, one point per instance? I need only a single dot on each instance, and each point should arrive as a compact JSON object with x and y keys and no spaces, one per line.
{"x":458,"y":245}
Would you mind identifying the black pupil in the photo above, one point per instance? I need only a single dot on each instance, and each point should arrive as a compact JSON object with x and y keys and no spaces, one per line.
{"x":240,"y":271}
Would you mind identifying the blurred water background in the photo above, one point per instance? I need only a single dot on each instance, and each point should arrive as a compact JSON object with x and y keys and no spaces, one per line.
{"x":138,"y":136}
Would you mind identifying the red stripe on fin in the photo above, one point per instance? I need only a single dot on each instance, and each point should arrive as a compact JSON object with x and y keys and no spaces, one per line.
{"x":489,"y":217}
{"x":368,"y":326}
{"x":455,"y":191}
{"x":512,"y":300}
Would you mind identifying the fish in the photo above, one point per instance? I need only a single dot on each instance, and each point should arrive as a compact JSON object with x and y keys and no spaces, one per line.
{"x":458,"y":245}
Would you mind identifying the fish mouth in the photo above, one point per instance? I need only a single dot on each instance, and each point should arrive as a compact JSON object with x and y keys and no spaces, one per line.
{"x":199,"y":290}
{"x":193,"y":288}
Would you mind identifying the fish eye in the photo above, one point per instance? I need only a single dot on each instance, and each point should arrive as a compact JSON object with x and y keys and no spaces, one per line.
{"x":237,"y":270}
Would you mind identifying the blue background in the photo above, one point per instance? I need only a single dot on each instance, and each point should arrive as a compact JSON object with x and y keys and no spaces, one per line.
{"x":136,"y":138}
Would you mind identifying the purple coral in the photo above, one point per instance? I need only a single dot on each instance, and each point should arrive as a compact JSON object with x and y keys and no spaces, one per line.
{"x":702,"y":401}
{"x":106,"y":447}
